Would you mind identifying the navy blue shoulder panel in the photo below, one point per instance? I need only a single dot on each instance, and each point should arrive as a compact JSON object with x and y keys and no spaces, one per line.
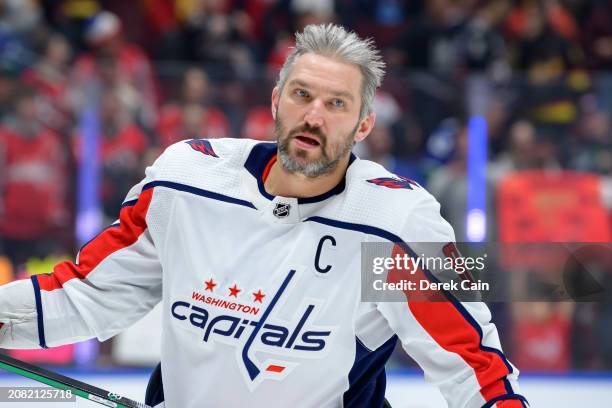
{"x":155,"y":388}
{"x":367,"y":378}
{"x":256,"y":163}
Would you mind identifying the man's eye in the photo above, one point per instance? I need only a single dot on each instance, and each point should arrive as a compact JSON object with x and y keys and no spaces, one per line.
{"x":301,"y":93}
{"x":338,"y":103}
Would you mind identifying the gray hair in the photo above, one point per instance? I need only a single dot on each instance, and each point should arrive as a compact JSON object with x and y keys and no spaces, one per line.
{"x":334,"y":41}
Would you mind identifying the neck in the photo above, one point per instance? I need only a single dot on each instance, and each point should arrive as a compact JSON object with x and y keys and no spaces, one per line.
{"x":280,"y":182}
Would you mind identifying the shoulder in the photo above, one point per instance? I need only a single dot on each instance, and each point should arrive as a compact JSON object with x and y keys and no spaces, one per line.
{"x":394,"y":203}
{"x":203,"y":163}
{"x":379,"y":186}
{"x":206,"y":150}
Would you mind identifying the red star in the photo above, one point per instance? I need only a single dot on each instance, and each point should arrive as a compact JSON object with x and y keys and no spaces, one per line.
{"x":259,"y":296}
{"x":234,"y":291}
{"x":210,"y":284}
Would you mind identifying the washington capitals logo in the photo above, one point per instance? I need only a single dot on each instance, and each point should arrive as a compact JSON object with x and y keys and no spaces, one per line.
{"x":282,"y":341}
{"x":202,"y":146}
{"x":391,"y":182}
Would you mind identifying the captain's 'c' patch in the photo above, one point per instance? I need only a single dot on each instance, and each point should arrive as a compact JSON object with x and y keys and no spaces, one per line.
{"x":202,"y":146}
{"x":391,"y":182}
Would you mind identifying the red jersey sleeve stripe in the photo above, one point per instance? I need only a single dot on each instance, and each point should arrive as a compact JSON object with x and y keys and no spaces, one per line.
{"x":514,"y":403}
{"x":449,"y":328}
{"x":132,"y":225}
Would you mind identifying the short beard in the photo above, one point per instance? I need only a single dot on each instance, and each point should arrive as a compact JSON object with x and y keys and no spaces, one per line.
{"x":316,"y":168}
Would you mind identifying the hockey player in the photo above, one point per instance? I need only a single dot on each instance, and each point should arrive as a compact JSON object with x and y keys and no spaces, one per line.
{"x":253,"y":248}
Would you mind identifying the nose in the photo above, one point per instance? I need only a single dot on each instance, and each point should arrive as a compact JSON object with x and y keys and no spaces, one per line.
{"x":314,"y":114}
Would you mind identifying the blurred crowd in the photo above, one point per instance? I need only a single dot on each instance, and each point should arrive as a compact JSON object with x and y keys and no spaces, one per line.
{"x":160,"y":71}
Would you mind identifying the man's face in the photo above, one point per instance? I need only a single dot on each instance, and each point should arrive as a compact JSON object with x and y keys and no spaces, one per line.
{"x":317,"y":115}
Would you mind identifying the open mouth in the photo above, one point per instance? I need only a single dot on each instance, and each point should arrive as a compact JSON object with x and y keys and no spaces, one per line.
{"x":307,"y":140}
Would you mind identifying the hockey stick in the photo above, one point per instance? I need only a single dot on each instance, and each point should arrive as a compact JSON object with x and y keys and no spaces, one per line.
{"x":59,"y":381}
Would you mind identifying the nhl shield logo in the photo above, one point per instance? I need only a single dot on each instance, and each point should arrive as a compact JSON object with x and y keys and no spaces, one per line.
{"x":281,"y":210}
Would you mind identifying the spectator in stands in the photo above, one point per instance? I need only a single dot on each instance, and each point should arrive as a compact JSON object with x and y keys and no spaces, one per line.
{"x":546,"y":49}
{"x":449,"y":37}
{"x":542,"y":336}
{"x":591,"y":149}
{"x":527,"y":149}
{"x":110,"y":78}
{"x":217,"y":34}
{"x":381,"y":19}
{"x":439,"y":46}
{"x":596,"y":36}
{"x":19,"y":17}
{"x":193,"y":122}
{"x":17,"y":32}
{"x":196,"y":87}
{"x":71,"y":18}
{"x":109,"y":51}
{"x":596,"y":40}
{"x":50,"y":77}
{"x":122,"y":145}
{"x":195,"y":91}
{"x":379,"y":148}
{"x":33,"y":183}
{"x":519,"y":153}
{"x":259,"y":124}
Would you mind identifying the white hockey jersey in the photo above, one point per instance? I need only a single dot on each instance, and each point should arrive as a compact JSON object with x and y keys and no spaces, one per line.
{"x":261,"y":294}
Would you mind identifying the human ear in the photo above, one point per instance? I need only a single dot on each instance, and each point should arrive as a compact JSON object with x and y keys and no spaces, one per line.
{"x":365,"y":127}
{"x":274,"y":104}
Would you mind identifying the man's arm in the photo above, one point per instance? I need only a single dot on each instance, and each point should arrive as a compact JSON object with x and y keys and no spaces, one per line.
{"x":454,"y":342}
{"x":115,"y":280}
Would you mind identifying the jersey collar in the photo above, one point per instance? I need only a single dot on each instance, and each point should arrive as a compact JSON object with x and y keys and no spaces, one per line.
{"x":258,"y":165}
